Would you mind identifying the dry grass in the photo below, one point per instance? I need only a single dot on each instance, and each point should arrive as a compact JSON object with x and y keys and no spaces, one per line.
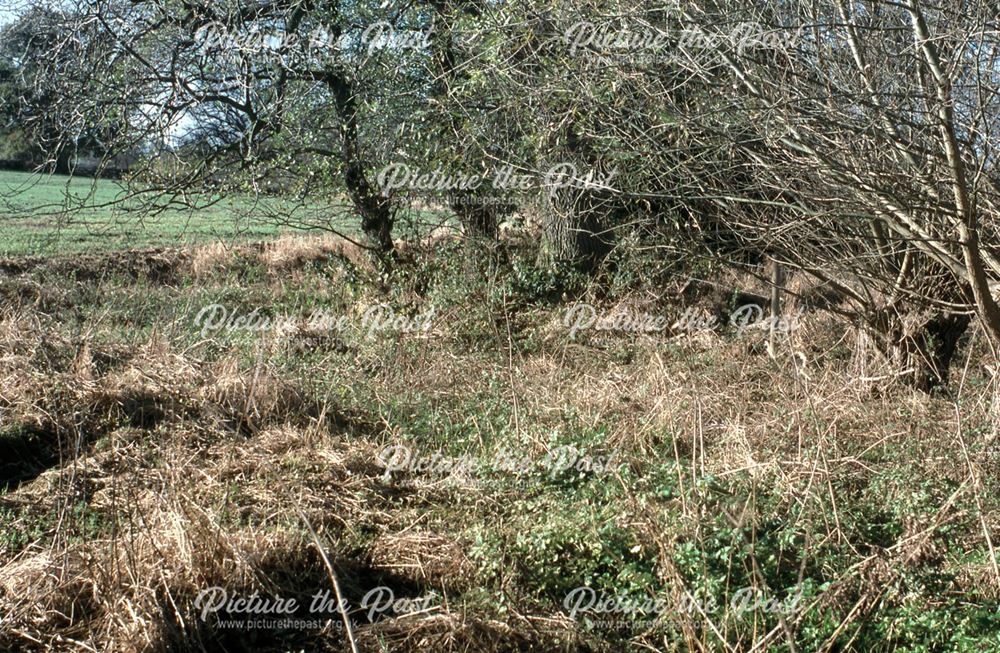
{"x":176,"y":469}
{"x":292,"y":252}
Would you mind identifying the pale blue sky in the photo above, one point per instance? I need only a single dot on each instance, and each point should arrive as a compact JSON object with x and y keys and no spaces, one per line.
{"x":11,"y":8}
{"x":6,"y":12}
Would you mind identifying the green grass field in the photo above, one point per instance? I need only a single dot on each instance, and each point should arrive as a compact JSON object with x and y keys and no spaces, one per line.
{"x":47,"y":214}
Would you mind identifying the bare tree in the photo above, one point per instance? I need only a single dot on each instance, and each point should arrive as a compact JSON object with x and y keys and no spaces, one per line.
{"x":306,"y":98}
{"x":875,"y":147}
{"x":854,"y":142}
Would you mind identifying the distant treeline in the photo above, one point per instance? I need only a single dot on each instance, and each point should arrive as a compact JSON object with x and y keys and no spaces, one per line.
{"x":15,"y":164}
{"x":82,"y":168}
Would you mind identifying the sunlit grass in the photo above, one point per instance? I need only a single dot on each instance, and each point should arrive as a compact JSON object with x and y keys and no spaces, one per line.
{"x":47,"y":214}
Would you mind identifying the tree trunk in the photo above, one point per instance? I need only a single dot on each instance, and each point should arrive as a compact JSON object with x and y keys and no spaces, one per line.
{"x":480,"y":224}
{"x":577,"y":228}
{"x":376,"y":223}
{"x":480,"y":217}
{"x":925,"y":352}
{"x":374,"y":208}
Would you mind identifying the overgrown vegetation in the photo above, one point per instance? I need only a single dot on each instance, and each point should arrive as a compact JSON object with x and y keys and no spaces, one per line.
{"x":631,"y":326}
{"x":686,"y":467}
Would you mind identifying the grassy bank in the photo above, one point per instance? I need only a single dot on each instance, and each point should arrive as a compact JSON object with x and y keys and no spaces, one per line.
{"x":465,"y":454}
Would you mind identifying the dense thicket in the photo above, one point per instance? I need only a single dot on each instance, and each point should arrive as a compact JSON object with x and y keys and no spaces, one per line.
{"x":851,"y":141}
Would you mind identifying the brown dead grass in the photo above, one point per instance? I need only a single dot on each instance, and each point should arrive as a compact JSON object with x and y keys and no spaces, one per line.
{"x":292,"y":252}
{"x":424,"y":556}
{"x":208,"y":482}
